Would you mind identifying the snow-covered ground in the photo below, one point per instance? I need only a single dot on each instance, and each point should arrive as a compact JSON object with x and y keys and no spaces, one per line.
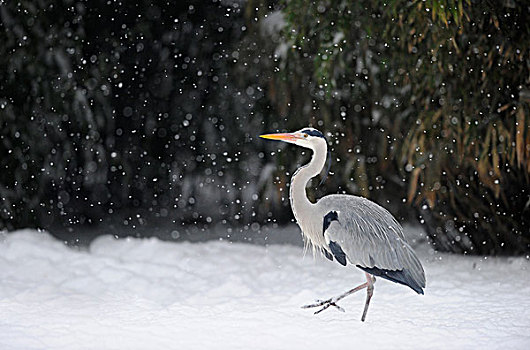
{"x":149,"y":294}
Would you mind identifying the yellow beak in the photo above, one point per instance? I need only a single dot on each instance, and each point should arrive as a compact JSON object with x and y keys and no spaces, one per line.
{"x":280,"y":137}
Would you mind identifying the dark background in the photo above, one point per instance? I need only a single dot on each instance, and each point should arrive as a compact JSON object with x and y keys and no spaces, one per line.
{"x":145,"y":115}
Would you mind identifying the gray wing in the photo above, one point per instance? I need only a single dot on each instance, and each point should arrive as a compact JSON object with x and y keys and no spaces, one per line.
{"x":370,"y":238}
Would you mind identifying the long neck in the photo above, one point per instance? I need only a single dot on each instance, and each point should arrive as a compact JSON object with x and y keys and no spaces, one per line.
{"x":299,"y":201}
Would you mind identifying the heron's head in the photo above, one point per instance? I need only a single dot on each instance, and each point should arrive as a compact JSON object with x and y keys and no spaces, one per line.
{"x":306,"y":137}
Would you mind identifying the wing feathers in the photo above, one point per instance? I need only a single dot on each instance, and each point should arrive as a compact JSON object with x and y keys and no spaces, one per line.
{"x":368,"y":236}
{"x":399,"y":276}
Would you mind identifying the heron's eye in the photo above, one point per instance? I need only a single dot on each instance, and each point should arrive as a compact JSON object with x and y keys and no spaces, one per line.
{"x":305,"y":136}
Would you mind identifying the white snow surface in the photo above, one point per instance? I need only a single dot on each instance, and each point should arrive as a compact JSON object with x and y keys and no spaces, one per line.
{"x":150,"y":294}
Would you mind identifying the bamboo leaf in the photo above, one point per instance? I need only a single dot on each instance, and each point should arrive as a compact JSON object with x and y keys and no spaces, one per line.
{"x":495,"y":155}
{"x":430,"y":196}
{"x":519,"y":136}
{"x":413,"y":184}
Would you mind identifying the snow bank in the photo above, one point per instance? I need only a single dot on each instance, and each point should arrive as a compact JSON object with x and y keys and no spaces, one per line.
{"x":145,"y":293}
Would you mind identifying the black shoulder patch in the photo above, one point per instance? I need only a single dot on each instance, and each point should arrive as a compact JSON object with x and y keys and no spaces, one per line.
{"x":327,"y":254}
{"x":328,"y":218}
{"x":338,"y":253}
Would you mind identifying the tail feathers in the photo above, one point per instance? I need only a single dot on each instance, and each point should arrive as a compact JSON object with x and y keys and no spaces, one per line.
{"x":399,"y":276}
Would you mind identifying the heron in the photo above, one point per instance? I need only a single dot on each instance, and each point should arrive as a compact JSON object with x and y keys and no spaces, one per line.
{"x":349,"y":229}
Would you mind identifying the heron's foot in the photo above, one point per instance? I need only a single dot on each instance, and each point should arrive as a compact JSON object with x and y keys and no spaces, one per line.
{"x":325,"y":304}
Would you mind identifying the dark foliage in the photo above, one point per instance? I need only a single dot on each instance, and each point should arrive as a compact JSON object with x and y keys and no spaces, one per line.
{"x":107,"y":106}
{"x":153,"y":108}
{"x":438,"y":90}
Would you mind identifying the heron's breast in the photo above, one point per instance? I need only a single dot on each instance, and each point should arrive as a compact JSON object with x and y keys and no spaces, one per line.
{"x":312,"y":231}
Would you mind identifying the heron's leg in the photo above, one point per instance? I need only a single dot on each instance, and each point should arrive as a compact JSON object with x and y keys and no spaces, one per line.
{"x":332,"y":301}
{"x":370,"y":280}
